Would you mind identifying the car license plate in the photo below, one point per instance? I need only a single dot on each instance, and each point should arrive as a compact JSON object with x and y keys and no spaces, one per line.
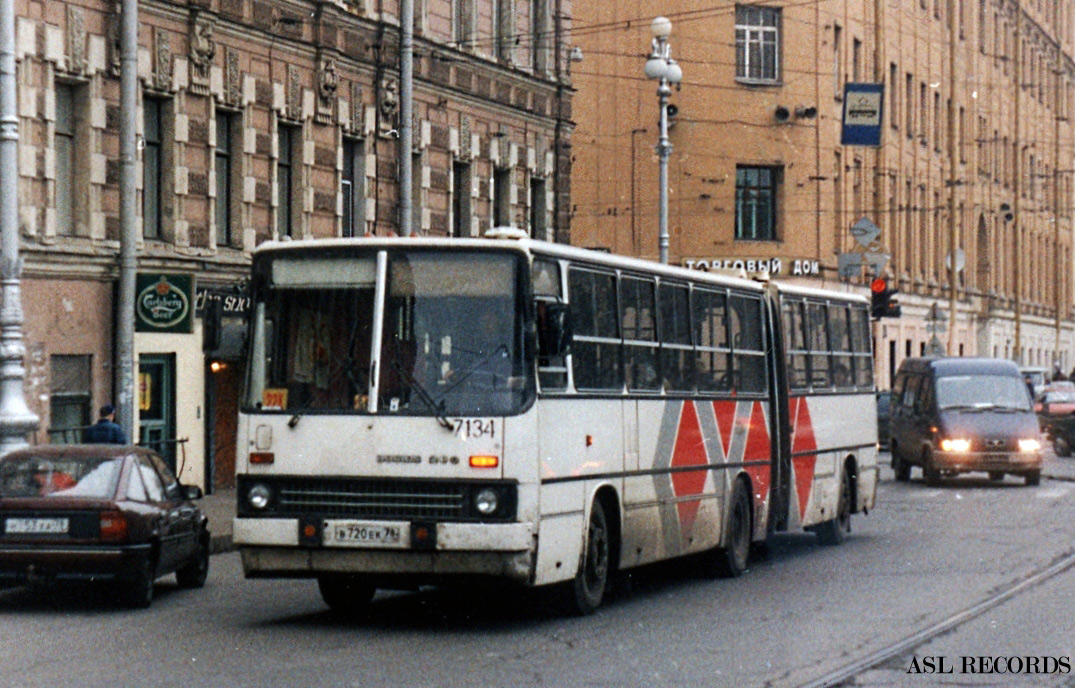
{"x":34,"y":526}
{"x":366,"y":534}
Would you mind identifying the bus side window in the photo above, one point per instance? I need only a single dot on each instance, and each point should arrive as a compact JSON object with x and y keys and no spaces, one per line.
{"x":817,"y":333}
{"x":595,"y":350}
{"x":795,"y":343}
{"x":748,"y":354}
{"x":677,"y":355}
{"x":840,"y":341}
{"x":862,"y":346}
{"x":638,"y":324}
{"x":552,"y":370}
{"x":711,"y":340}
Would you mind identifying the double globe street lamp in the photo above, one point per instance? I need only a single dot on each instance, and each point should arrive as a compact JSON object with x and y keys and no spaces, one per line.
{"x":662,"y":67}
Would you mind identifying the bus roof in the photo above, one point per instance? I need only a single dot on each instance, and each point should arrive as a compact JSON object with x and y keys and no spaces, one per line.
{"x":530,"y":246}
{"x":799,"y":290}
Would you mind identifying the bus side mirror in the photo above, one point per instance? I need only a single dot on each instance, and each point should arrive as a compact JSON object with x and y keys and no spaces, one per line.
{"x":554,"y":330}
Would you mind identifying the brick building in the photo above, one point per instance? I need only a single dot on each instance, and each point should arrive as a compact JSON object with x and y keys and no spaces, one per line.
{"x":976,"y":154}
{"x":258,"y":120}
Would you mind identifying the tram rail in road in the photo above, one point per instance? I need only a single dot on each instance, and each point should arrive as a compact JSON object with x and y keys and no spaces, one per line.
{"x":902,"y":647}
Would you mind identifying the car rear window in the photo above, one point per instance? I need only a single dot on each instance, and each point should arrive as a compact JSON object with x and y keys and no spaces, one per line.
{"x":36,"y":476}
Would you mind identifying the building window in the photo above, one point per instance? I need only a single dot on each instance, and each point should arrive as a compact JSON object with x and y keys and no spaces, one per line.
{"x":538,"y":22}
{"x":353,"y":188}
{"x":757,"y":43}
{"x":416,"y":193}
{"x":755,"y":202}
{"x":151,"y":168}
{"x":463,"y":21}
{"x":285,"y":179}
{"x":856,"y":59}
{"x":538,"y":216}
{"x":502,"y":197}
{"x":227,"y":126}
{"x":837,"y":68}
{"x":908,"y":104}
{"x":69,"y":397}
{"x":67,"y":152}
{"x":503,"y":29}
{"x":461,"y":199}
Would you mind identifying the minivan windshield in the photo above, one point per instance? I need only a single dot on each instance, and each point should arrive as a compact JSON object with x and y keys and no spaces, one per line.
{"x":982,"y":391}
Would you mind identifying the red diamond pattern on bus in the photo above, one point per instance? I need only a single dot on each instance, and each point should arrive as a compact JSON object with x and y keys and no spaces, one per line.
{"x":689,"y":451}
{"x":802,"y":440}
{"x":758,"y":450}
{"x":725,"y":413}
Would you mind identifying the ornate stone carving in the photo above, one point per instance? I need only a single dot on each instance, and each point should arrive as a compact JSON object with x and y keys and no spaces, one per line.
{"x":163,"y":68}
{"x":76,"y":40}
{"x":464,"y":137}
{"x":328,"y":82}
{"x":233,"y":79}
{"x":294,"y":93}
{"x":357,"y":108}
{"x":115,"y":47}
{"x":389,"y":105}
{"x":202,"y":51}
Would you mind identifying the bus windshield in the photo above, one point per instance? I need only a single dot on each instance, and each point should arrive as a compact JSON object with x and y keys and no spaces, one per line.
{"x":451,"y":344}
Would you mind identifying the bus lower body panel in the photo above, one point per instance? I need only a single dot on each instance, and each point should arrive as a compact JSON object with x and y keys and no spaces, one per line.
{"x":271,"y":548}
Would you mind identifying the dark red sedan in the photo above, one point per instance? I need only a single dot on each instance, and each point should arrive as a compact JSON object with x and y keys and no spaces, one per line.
{"x":99,"y":513}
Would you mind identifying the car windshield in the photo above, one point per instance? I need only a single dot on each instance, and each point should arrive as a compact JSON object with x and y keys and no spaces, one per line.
{"x":451,"y":344}
{"x":1060,"y":397}
{"x":982,"y":391}
{"x":38,"y":476}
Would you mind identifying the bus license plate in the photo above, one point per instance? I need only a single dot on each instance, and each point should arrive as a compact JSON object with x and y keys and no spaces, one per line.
{"x":25,"y":526}
{"x":366,"y":534}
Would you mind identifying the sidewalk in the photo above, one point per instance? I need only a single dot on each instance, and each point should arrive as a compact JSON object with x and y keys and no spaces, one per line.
{"x":220,"y":508}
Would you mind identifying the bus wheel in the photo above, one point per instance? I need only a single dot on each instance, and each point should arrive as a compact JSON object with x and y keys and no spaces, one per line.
{"x":833,"y":532}
{"x":731,"y":561}
{"x":344,"y":593}
{"x":587,"y":590}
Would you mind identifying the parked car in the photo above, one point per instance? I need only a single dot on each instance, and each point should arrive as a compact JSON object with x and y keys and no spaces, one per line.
{"x":958,"y":415}
{"x":884,"y":403}
{"x":99,"y":513}
{"x":1056,"y":415}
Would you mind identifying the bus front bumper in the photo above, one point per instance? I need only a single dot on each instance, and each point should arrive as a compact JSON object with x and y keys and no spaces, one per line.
{"x":271,"y":548}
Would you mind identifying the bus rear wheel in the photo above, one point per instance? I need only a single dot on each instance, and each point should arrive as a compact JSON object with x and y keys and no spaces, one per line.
{"x":731,"y":561}
{"x":586,"y":592}
{"x":345,"y":594}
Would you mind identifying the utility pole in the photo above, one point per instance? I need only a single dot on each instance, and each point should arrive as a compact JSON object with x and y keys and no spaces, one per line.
{"x":1059,"y":268}
{"x":16,"y":419}
{"x":1018,"y":148}
{"x":406,"y":108}
{"x":128,"y":212}
{"x":953,"y":182}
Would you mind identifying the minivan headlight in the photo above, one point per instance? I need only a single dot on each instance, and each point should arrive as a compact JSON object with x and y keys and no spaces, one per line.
{"x":1030,"y":445}
{"x":950,"y":445}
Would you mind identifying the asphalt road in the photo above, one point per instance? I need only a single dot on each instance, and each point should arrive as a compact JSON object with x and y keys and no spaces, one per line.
{"x":924,"y":555}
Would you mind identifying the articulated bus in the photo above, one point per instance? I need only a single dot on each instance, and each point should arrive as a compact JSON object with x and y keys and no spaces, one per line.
{"x":425,"y":411}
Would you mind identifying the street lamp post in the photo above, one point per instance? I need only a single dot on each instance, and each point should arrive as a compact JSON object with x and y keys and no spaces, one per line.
{"x":662,"y":67}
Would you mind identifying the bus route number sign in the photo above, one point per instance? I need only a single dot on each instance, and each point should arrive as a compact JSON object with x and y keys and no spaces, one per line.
{"x":474,"y":428}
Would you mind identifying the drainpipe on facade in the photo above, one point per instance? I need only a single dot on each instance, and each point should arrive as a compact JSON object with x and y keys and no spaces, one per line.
{"x":406,"y":108}
{"x":16,"y":419}
{"x":124,"y":364}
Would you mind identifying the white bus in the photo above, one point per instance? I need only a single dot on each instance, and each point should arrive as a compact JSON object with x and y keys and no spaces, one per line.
{"x":426,"y":410}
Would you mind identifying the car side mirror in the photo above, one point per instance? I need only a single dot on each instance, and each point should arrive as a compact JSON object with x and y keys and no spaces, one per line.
{"x":192,"y":492}
{"x":554,"y":330}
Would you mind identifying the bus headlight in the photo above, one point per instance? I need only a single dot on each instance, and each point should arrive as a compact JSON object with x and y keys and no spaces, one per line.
{"x":955,"y":445}
{"x":487,"y":501}
{"x":1030,"y":445}
{"x":259,"y":496}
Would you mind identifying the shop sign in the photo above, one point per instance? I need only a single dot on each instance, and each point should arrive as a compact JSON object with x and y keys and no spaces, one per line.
{"x":164,"y":302}
{"x":774,"y":266}
{"x":232,"y":302}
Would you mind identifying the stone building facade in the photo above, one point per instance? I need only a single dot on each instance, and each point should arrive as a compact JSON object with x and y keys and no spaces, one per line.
{"x":258,"y":120}
{"x":975,"y":158}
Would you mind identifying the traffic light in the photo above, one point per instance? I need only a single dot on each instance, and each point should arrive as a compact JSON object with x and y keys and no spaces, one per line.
{"x":882,"y":300}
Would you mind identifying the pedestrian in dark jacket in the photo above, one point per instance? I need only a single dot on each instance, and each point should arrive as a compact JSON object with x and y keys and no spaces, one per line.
{"x":106,"y":430}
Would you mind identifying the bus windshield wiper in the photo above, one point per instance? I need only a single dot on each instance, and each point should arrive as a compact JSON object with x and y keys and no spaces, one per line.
{"x":426,"y":396}
{"x":963,"y":407}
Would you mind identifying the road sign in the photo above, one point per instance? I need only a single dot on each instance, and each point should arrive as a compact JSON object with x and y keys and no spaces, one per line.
{"x":961,"y":260}
{"x":876,"y":262}
{"x":862,"y":114}
{"x":848,"y":265}
{"x":865,"y":231}
{"x":935,"y":348}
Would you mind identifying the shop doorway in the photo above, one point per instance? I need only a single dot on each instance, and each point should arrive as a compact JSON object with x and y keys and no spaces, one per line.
{"x":156,"y":406}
